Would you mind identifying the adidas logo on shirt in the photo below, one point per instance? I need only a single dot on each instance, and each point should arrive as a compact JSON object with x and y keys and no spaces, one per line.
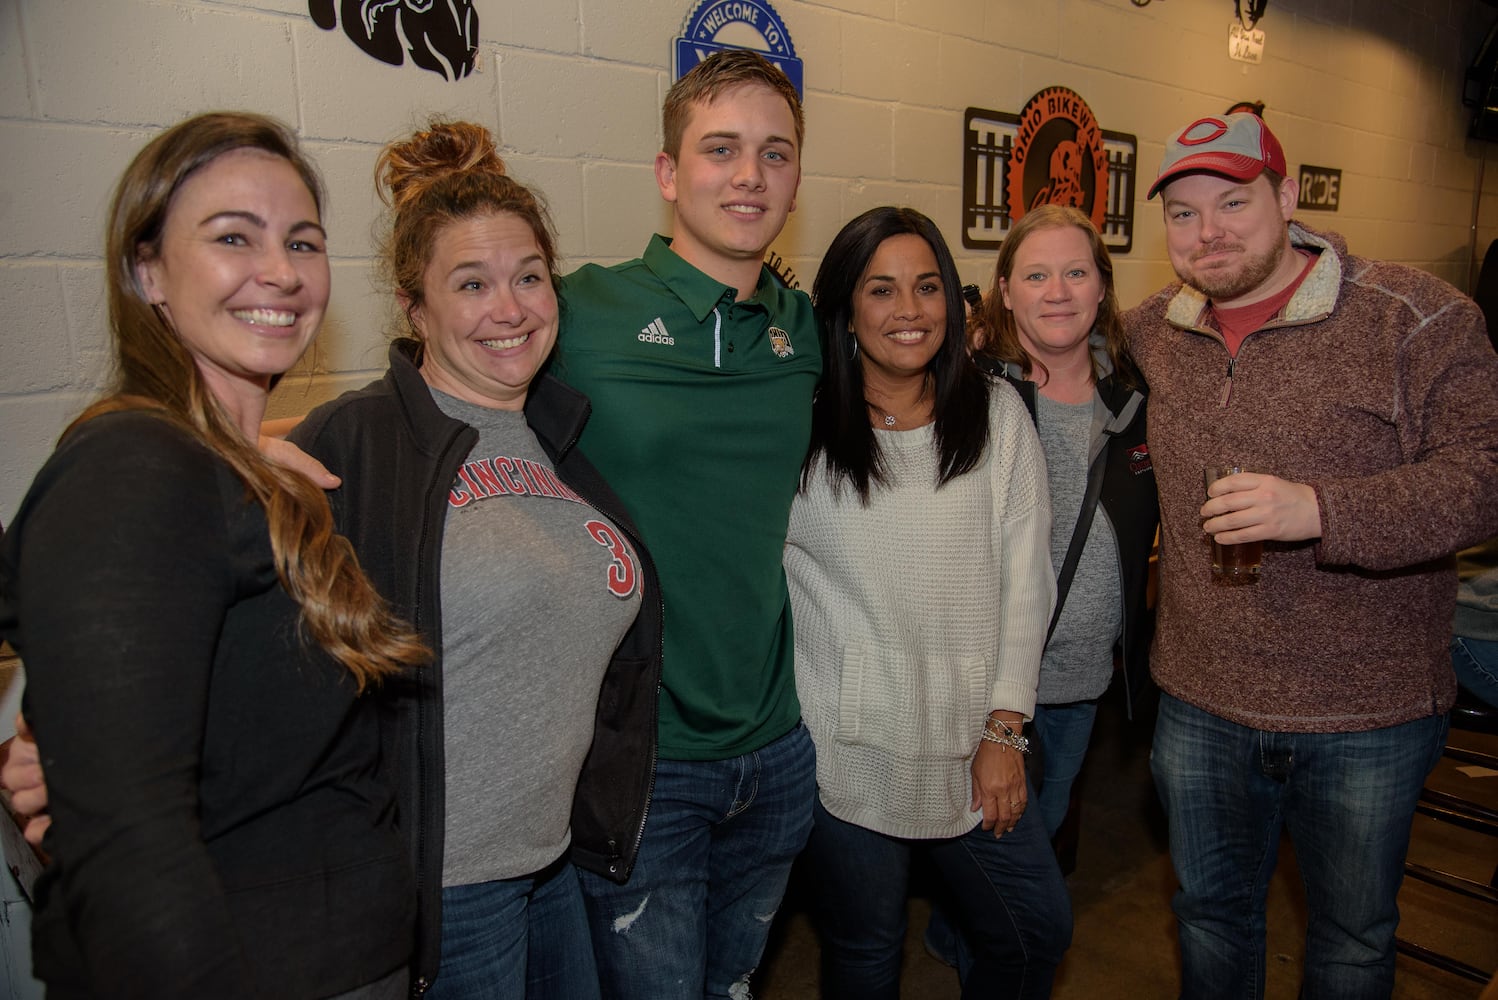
{"x":656,"y":333}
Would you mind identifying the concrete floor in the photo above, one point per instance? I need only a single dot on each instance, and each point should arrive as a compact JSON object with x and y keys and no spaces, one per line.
{"x":1124,"y":938}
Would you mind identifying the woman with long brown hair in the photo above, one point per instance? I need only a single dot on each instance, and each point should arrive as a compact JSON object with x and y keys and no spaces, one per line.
{"x":199,"y":645}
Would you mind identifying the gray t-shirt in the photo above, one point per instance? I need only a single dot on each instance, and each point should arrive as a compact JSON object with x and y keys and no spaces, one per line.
{"x":1078,"y":661}
{"x":538,"y":588}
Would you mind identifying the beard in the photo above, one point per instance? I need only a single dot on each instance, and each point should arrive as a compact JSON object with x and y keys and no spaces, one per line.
{"x":1227,"y":284}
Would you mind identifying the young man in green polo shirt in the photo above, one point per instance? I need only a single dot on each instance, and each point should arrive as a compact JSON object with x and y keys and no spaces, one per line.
{"x":701,"y":368}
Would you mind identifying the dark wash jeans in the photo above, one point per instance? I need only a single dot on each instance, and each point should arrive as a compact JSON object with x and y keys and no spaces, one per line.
{"x":1007,"y":893}
{"x":719,"y":841}
{"x":1347,"y":800}
{"x":517,"y":939}
{"x":1476,"y":665}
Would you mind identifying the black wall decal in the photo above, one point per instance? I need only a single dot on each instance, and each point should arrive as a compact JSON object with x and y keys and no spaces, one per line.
{"x":439,"y":35}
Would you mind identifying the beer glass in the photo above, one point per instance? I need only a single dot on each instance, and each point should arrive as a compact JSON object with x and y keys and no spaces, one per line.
{"x":1237,"y":563}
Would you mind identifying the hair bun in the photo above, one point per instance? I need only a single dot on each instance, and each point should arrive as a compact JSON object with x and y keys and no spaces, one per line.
{"x":407,"y":169}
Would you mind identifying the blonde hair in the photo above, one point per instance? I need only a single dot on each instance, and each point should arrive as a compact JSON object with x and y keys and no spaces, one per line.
{"x":992,"y":329}
{"x":340,"y":608}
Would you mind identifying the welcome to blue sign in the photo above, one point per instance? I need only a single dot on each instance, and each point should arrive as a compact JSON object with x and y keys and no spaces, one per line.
{"x":729,"y":24}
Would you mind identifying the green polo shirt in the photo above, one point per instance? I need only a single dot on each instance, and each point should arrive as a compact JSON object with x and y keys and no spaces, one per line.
{"x":701,"y":417}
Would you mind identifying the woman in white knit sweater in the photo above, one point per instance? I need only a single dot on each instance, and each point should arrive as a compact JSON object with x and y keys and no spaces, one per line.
{"x":921,"y":583}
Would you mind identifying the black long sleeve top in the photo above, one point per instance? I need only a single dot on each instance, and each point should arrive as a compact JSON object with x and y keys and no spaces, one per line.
{"x":219,"y":824}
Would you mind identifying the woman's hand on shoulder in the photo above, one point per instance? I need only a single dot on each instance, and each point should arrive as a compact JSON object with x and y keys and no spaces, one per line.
{"x":274,"y":446}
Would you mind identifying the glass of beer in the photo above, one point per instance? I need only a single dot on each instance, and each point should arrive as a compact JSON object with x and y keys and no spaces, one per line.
{"x":1234,"y":563}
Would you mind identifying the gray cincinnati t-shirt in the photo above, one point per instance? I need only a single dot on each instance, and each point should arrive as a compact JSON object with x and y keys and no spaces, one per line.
{"x":538,"y":588}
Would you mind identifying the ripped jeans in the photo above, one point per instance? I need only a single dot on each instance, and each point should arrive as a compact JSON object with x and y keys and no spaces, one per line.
{"x":719,"y":841}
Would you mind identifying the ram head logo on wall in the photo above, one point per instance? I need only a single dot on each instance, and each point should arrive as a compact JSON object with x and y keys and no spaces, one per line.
{"x":440,"y":35}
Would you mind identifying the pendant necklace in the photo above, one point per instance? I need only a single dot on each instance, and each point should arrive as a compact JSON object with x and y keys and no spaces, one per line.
{"x":889,"y":418}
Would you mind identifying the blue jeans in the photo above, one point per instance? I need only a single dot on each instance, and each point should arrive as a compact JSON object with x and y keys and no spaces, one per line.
{"x":1347,"y":800}
{"x":1007,"y":891}
{"x":1065,"y":730}
{"x":1476,"y":665}
{"x":719,"y":842}
{"x":516,"y":939}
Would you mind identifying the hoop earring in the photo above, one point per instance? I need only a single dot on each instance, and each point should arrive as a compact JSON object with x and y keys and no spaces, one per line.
{"x":853,"y":354}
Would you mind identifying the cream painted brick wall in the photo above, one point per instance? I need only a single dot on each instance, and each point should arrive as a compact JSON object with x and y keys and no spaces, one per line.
{"x":56,"y":180}
{"x":154,"y":63}
{"x":622,"y":207}
{"x":819,"y":214}
{"x":816,"y":29}
{"x":551,"y":27}
{"x":560,"y":181}
{"x":32,"y":424}
{"x":960,"y":18}
{"x":360,"y":317}
{"x":13,"y":81}
{"x":632,"y":32}
{"x":346,"y":94}
{"x":851,"y":137}
{"x":33,"y":296}
{"x":973,"y":74}
{"x":555,"y":106}
{"x":884,"y":9}
{"x":573,"y":89}
{"x":886,"y":61}
{"x":352,"y":208}
{"x":926,"y":150}
{"x":1025,"y":26}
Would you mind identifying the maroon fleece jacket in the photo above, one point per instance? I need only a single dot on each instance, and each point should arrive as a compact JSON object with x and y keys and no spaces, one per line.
{"x":1376,"y":386}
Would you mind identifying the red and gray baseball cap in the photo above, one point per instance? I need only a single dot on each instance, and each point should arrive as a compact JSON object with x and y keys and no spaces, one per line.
{"x":1237,"y":146}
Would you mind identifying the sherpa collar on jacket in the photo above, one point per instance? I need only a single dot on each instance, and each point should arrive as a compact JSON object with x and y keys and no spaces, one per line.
{"x":1314,"y":300}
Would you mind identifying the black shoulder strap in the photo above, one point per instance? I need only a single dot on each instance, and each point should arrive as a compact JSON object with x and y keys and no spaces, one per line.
{"x":1027,"y":392}
{"x":1079,"y":534}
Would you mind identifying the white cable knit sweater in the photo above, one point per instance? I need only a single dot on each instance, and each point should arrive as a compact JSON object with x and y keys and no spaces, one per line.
{"x":915,"y":617}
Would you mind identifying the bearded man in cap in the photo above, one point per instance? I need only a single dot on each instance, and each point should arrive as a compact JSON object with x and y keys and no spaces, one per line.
{"x":1364,"y":397}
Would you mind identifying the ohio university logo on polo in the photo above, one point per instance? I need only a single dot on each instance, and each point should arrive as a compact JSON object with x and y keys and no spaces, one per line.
{"x":780,"y":342}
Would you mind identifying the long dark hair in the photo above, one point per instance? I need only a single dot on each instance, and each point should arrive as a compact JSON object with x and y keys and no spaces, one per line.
{"x":840,"y":428}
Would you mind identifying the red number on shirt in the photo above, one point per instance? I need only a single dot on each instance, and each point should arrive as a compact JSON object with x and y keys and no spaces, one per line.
{"x":622,"y":573}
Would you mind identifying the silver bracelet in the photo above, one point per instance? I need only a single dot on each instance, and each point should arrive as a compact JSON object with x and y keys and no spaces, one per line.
{"x":1007,"y":737}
